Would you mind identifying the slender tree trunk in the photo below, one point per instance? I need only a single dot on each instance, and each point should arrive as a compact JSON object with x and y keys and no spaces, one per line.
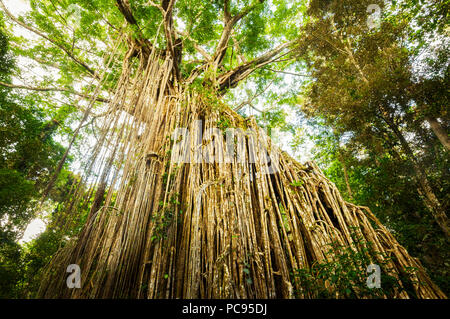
{"x":440,"y":131}
{"x":347,"y":183}
{"x":431,"y":200}
{"x":349,"y":190}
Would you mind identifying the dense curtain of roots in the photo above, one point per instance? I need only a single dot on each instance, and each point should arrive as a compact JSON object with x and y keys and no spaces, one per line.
{"x":159,"y":227}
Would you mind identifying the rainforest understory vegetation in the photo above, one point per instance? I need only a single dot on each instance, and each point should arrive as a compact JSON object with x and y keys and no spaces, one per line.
{"x":224,"y":149}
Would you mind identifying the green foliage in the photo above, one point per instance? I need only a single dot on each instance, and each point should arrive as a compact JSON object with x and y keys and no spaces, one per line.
{"x":297,"y":183}
{"x":35,"y":255}
{"x":28,"y":156}
{"x":223,"y":123}
{"x":346,"y":275}
{"x":384,"y":183}
{"x":168,"y":214}
{"x":11,"y":268}
{"x":15,"y":194}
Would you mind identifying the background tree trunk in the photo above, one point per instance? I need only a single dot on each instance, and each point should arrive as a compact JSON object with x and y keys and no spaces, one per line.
{"x":440,"y":132}
{"x":431,"y":199}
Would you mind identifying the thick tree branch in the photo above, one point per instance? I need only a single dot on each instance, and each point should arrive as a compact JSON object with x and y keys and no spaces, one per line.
{"x":167,"y":5}
{"x":233,"y":77}
{"x":125,"y":8}
{"x":174,"y":44}
{"x":230,"y":22}
{"x":226,"y":11}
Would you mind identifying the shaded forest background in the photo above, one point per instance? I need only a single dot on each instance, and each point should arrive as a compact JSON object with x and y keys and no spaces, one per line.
{"x":372,"y":102}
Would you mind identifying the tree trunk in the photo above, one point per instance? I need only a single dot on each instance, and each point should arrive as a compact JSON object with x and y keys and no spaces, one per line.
{"x":440,"y":132}
{"x":347,"y":183}
{"x":431,"y":199}
{"x":201,"y":204}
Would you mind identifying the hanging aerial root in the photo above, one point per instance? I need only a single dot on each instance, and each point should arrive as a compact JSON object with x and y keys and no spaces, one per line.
{"x":190,"y":200}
